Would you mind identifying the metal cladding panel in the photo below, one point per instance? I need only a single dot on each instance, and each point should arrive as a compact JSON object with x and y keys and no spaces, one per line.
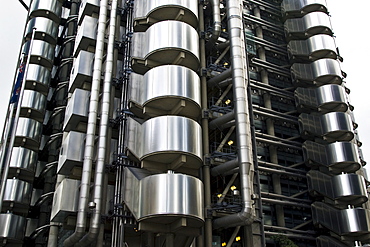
{"x":131,"y":188}
{"x":311,"y":24}
{"x":38,"y":78}
{"x":320,"y":72}
{"x":168,"y":195}
{"x":298,"y":8}
{"x":65,"y":200}
{"x":324,"y":99}
{"x":168,"y":89}
{"x":350,"y":189}
{"x":342,"y":152}
{"x":17,"y":195}
{"x":82,"y":70}
{"x":158,"y":10}
{"x":77,"y":110}
{"x":337,"y":126}
{"x":46,"y":29}
{"x":42,"y":52}
{"x":12,"y":227}
{"x":166,"y":42}
{"x":33,"y":105}
{"x":314,"y":48}
{"x":71,"y":153}
{"x":171,"y":134}
{"x":88,"y":7}
{"x":23,"y":163}
{"x":28,"y":133}
{"x":86,"y":34}
{"x":326,"y":241}
{"x":51,"y":9}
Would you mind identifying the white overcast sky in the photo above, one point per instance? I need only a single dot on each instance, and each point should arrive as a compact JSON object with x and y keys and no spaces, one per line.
{"x":350,"y":25}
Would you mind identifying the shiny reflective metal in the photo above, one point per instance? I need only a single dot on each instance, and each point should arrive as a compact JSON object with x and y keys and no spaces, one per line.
{"x":65,"y":200}
{"x":166,"y":42}
{"x":324,"y":99}
{"x":33,"y":105}
{"x":331,"y":127}
{"x":299,"y":8}
{"x":351,"y":224}
{"x":88,"y":7}
{"x":28,"y":133}
{"x":167,"y":143}
{"x":42,"y":53}
{"x":71,"y":152}
{"x":12,"y":228}
{"x":38,"y":78}
{"x":311,"y":24}
{"x":337,"y":157}
{"x":22,"y":164}
{"x":46,"y":29}
{"x":314,"y":48}
{"x":46,"y":8}
{"x":82,"y":70}
{"x":77,"y":110}
{"x":165,"y":198}
{"x":320,"y":72}
{"x":17,"y":196}
{"x":166,"y":90}
{"x":343,"y":189}
{"x":148,"y":12}
{"x":86,"y":35}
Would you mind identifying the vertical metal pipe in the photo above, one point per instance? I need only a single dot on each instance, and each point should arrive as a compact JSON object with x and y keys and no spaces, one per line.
{"x":91,"y":129}
{"x":15,"y":124}
{"x":244,"y":142}
{"x":205,"y":136}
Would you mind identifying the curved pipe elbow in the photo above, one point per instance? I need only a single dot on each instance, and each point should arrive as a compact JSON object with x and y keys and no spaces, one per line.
{"x":243,"y":218}
{"x":216,"y":19}
{"x":74,"y":238}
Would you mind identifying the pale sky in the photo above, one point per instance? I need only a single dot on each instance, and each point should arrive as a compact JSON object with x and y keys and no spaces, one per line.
{"x":350,"y":26}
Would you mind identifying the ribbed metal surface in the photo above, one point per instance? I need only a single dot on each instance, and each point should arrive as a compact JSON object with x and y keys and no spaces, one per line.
{"x":28,"y":133}
{"x":166,"y":42}
{"x":82,"y":70}
{"x":12,"y":228}
{"x":307,"y":26}
{"x":33,"y":105}
{"x":312,"y":49}
{"x":22,"y":163}
{"x":338,"y":157}
{"x":38,"y":78}
{"x":331,"y":127}
{"x":46,"y":29}
{"x":299,"y":8}
{"x":324,"y":99}
{"x":167,"y":142}
{"x":46,"y":8}
{"x":164,"y":198}
{"x":17,"y":195}
{"x":320,"y":72}
{"x":42,"y":53}
{"x":149,"y":12}
{"x":167,"y":90}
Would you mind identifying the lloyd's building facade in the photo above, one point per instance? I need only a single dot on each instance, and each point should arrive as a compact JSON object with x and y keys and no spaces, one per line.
{"x":181,"y":123}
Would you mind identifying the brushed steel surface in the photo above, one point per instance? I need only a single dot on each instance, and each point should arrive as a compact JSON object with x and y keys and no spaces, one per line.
{"x":46,"y":8}
{"x":22,"y":163}
{"x":77,"y":110}
{"x":12,"y":227}
{"x":324,"y":99}
{"x":321,"y":72}
{"x":38,"y":78}
{"x":86,"y":35}
{"x":314,"y":48}
{"x":28,"y":133}
{"x":163,"y":198}
{"x":82,"y":70}
{"x":166,"y":42}
{"x":167,"y":90}
{"x":88,"y":8}
{"x":42,"y":53}
{"x":17,"y":192}
{"x":46,"y":29}
{"x":299,"y":8}
{"x":71,"y":152}
{"x":337,"y":157}
{"x":148,"y":12}
{"x":33,"y":105}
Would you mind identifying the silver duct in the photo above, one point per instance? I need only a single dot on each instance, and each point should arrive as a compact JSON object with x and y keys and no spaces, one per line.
{"x":244,"y":142}
{"x":103,"y":133}
{"x":91,"y":129}
{"x":216,"y":20}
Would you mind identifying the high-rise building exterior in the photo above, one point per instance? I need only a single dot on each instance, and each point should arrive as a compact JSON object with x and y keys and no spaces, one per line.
{"x":181,"y":123}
